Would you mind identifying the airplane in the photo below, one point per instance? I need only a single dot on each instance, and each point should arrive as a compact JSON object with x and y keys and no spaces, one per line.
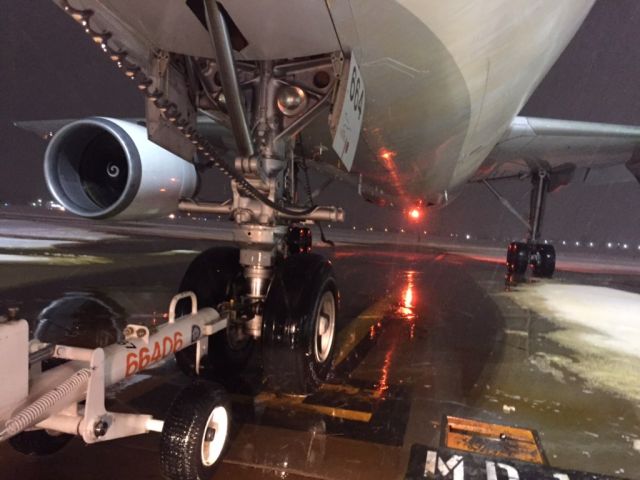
{"x":408,"y":100}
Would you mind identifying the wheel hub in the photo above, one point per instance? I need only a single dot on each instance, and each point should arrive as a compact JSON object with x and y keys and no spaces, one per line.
{"x":325,"y":327}
{"x":214,"y":436}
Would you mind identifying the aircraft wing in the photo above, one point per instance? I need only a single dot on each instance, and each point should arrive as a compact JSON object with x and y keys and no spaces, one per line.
{"x":45,"y":129}
{"x":216,"y":133}
{"x":569,"y":150}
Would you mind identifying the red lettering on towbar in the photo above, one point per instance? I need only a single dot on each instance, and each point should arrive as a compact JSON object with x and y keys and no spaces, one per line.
{"x":144,"y":357}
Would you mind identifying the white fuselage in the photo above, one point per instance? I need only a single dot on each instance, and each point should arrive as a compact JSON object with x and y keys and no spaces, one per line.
{"x":444,"y":78}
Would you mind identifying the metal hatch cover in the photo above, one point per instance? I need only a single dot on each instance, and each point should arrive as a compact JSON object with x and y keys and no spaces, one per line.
{"x":446,"y":464}
{"x":474,"y":450}
{"x":490,"y":439}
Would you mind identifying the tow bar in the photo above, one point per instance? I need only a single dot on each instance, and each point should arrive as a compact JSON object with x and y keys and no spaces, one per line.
{"x":70,"y":398}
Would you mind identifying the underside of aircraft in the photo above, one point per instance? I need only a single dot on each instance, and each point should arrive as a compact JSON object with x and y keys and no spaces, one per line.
{"x":406,"y":100}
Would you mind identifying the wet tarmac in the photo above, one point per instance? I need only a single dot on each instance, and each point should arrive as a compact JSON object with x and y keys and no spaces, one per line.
{"x":423,"y":334}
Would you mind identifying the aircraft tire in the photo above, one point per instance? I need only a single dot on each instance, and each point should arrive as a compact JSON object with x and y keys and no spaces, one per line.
{"x":39,"y":442}
{"x":545,"y":263}
{"x":299,"y":324}
{"x":517,"y":258}
{"x":215,"y":276}
{"x":195,"y":433}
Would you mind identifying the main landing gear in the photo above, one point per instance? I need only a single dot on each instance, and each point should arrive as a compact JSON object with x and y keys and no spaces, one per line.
{"x":541,"y":257}
{"x":520,"y":255}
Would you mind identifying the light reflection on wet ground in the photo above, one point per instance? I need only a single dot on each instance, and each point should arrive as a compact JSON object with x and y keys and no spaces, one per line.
{"x":424,"y":334}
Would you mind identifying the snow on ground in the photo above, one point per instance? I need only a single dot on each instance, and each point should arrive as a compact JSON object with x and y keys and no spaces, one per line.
{"x":169,"y":253}
{"x":32,"y":243}
{"x":600,"y":325}
{"x":60,"y":260}
{"x":10,"y":228}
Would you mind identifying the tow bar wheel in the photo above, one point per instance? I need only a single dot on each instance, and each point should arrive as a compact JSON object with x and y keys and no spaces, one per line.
{"x":215,"y":436}
{"x":195,"y":432}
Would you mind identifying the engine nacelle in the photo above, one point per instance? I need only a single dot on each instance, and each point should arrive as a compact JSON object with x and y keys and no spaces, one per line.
{"x":108,"y":168}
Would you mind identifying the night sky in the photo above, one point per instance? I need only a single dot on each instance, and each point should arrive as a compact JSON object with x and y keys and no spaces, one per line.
{"x":50,"y":69}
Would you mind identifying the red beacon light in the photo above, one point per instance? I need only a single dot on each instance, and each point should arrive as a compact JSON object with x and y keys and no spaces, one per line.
{"x":415,"y":213}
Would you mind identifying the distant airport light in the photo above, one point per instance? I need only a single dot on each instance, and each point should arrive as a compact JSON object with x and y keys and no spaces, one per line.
{"x":591,"y":244}
{"x":577,"y":244}
{"x":625,"y":246}
{"x":564,"y":242}
{"x":172,"y":216}
{"x":467,"y":236}
{"x":609,"y":245}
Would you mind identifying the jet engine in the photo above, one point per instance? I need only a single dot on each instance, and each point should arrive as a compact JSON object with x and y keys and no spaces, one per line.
{"x":107,"y":168}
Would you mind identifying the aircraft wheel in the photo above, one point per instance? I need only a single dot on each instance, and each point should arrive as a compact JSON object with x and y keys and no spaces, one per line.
{"x":545,"y":263}
{"x":195,"y":433}
{"x":215,"y":276}
{"x":39,"y":442}
{"x":299,"y":324}
{"x":517,"y":258}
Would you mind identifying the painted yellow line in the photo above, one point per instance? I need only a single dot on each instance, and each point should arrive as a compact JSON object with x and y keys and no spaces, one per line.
{"x":359,"y":328}
{"x":297,"y":402}
{"x":501,"y":441}
{"x":348,"y":338}
{"x":341,"y":388}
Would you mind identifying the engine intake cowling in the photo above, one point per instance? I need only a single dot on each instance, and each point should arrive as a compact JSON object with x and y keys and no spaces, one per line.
{"x":107,"y":168}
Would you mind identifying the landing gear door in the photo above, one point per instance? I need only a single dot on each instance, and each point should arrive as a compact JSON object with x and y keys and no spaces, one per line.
{"x":348,"y":112}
